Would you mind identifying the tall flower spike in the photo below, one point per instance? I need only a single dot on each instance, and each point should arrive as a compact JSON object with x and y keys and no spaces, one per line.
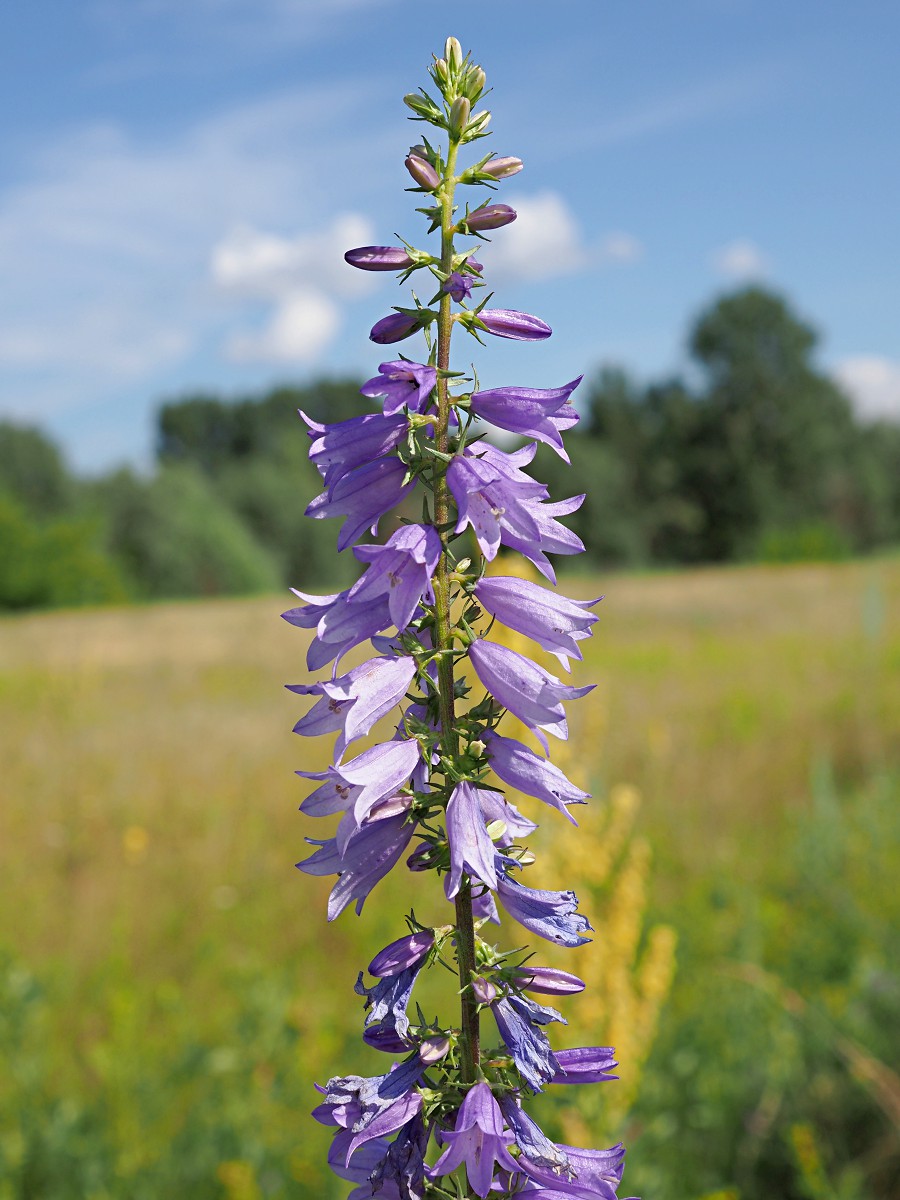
{"x":430,"y":796}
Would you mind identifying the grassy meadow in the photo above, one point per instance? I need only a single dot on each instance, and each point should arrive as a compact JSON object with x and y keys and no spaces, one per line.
{"x":169,"y":989}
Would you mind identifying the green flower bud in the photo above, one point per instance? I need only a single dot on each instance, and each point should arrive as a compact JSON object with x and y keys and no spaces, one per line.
{"x":459,"y":116}
{"x":478,"y":127}
{"x":440,"y":71}
{"x":473,"y":83}
{"x":424,"y":106}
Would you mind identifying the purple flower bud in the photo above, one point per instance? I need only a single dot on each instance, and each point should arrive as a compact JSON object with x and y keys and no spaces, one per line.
{"x":422,"y":172}
{"x":549,"y":981}
{"x":483,"y":990}
{"x":477,"y":267}
{"x":404,"y":952}
{"x":394,"y":328}
{"x":507,"y":323}
{"x":378,"y":258}
{"x":433,"y":1049}
{"x":502,"y":168}
{"x":489,"y":216}
{"x":459,"y":287}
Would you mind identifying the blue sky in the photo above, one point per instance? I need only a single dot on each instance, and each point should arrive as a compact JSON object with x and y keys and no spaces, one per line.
{"x":179,"y":179}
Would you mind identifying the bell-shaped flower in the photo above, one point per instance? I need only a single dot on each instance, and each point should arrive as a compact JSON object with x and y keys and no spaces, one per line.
{"x":551,"y":915}
{"x":457,"y":286}
{"x":363,"y":497}
{"x":379,"y":258}
{"x":386,"y":1001}
{"x":471,"y":848}
{"x":403,"y":384}
{"x":401,"y":1172}
{"x":366,"y":859}
{"x":340,"y":624}
{"x":530,"y":1138}
{"x":552,"y":538}
{"x":555,"y":622}
{"x":399,"y":572}
{"x":519,"y":1020}
{"x":496,"y":808}
{"x":527,"y":772}
{"x":590,"y":1175}
{"x":341,"y":447}
{"x":494,"y":497}
{"x":585,"y":1064}
{"x":542,"y":413}
{"x":527,"y":690}
{"x":352,"y":703}
{"x":478,"y":1141}
{"x":372,"y":1107}
{"x":358,"y":785}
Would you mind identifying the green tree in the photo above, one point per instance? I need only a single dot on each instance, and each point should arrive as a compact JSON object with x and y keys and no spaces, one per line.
{"x":33,"y":472}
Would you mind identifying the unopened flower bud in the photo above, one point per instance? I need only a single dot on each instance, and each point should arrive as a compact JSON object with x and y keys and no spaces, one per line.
{"x":460,"y":111}
{"x":419,"y":151}
{"x":483,"y":990}
{"x":424,"y":106}
{"x":422,"y":172}
{"x":508,"y":323}
{"x":478,"y":126}
{"x":433,"y":1049}
{"x":453,"y":53}
{"x":502,"y":168}
{"x":393,"y":328}
{"x":441,"y":70}
{"x":489,"y":216}
{"x":473,"y":84}
{"x":379,"y":258}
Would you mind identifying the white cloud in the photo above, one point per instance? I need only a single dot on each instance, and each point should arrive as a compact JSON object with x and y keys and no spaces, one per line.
{"x":303,"y":324}
{"x":873,"y":384}
{"x":108,"y":238}
{"x":546,"y":240}
{"x":741,"y":259}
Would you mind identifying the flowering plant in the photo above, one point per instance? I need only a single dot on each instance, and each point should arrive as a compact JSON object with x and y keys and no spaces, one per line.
{"x":425,"y":606}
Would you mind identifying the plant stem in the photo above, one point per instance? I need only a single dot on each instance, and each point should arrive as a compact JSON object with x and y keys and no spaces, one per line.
{"x":470,"y":1049}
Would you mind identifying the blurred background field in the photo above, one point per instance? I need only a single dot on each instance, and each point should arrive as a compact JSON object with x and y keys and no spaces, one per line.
{"x":169,"y":990}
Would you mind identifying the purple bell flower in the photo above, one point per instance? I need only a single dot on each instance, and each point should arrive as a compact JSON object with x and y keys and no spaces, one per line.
{"x":386,"y":1001}
{"x":393,"y":328}
{"x":340,"y":624}
{"x":356,"y":787}
{"x":592,"y":1174}
{"x":530,"y":1138}
{"x":549,"y":981}
{"x":518,"y":1020}
{"x":527,"y":690}
{"x":405,"y":952}
{"x":585,"y":1064}
{"x":459,"y":287}
{"x":368,"y":857}
{"x":527,"y":772}
{"x":362,"y":1162}
{"x":363,"y":497}
{"x":495,"y":503}
{"x":489,"y":216}
{"x":400,"y":572}
{"x":478,"y":1141}
{"x":551,"y":915}
{"x":471,"y":848}
{"x":339,"y":448}
{"x":552,"y":538}
{"x":372,"y":1107}
{"x":403,"y":1166}
{"x":402,"y":384}
{"x":555,"y":622}
{"x":379,"y":258}
{"x":352,"y":703}
{"x":531,"y":412}
{"x":495,"y":807}
{"x":508,"y":323}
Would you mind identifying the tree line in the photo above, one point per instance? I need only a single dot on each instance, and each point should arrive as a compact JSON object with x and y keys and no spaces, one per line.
{"x":757,"y":455}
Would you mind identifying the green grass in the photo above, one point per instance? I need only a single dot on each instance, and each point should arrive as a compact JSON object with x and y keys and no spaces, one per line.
{"x":170,"y":988}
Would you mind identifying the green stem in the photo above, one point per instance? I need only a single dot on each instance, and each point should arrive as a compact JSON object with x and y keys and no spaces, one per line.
{"x":470,"y":1049}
